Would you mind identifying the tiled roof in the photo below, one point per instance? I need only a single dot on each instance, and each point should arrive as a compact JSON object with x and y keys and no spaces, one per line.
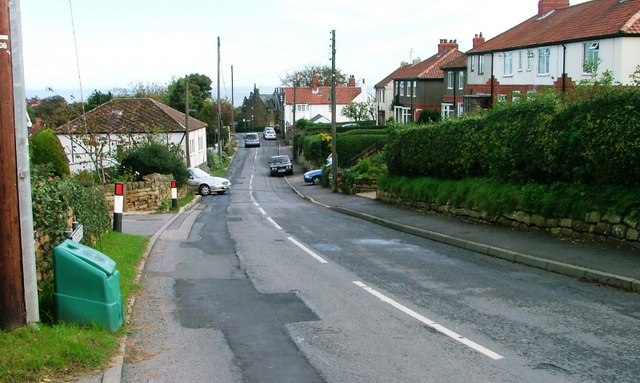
{"x":131,"y":115}
{"x":320,"y":95}
{"x":460,"y":62}
{"x":430,"y":68}
{"x":391,"y":76}
{"x":593,"y":19}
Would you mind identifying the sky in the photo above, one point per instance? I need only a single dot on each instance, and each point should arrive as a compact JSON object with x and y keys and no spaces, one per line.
{"x":121,"y":43}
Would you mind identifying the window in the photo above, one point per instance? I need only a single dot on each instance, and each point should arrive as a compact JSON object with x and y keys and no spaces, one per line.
{"x":530,"y":56}
{"x":402,"y":88}
{"x":590,"y":58}
{"x":481,"y":64}
{"x":508,"y":63}
{"x":461,"y":80}
{"x":413,"y":88}
{"x":543,"y":61}
{"x":396,"y":86}
{"x":520,"y":60}
{"x":302,"y":107}
{"x":473,"y":63}
{"x":460,"y":109}
{"x":446,"y":110}
{"x":502,"y":98}
{"x":515,"y":95}
{"x":450,"y":80}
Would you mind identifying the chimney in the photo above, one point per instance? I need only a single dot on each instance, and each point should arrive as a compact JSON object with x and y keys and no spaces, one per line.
{"x":314,"y":80}
{"x":478,"y":40}
{"x":351,"y":81}
{"x":545,"y":6}
{"x":446,"y":46}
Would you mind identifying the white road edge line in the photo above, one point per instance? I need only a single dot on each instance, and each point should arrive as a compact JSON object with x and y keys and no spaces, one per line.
{"x":307,"y":250}
{"x":273,"y":223}
{"x":262,"y":211}
{"x":441,"y":329}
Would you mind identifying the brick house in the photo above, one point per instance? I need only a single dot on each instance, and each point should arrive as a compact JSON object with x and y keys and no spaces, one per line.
{"x":314,"y":103}
{"x":260,"y":110}
{"x":120,"y":122}
{"x":455,"y":85}
{"x":557,"y":47}
{"x":419,"y":86}
{"x":384,"y":94}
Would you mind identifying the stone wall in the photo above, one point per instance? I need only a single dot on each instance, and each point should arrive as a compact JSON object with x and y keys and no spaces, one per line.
{"x":596,"y":226}
{"x":146,"y":195}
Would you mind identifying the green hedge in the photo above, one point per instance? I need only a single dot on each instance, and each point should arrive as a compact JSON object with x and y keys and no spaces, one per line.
{"x":317,"y":147}
{"x":592,"y":142}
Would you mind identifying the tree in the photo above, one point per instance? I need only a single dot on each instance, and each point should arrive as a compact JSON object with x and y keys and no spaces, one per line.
{"x":96,"y":99}
{"x":209,"y":114}
{"x":357,"y":111}
{"x":55,"y":111}
{"x":302,"y":77}
{"x":199,"y":92}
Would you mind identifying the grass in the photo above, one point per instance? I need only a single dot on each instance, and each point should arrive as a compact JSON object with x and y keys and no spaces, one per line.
{"x":56,"y":353}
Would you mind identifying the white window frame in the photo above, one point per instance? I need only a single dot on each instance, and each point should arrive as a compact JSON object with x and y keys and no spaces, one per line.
{"x":450,"y":79}
{"x":544,"y":61}
{"x":446,"y":109}
{"x":460,"y":108}
{"x":413,"y":88}
{"x":481,"y":64}
{"x":520,"y":60}
{"x":461,"y":80}
{"x":473,"y":63}
{"x":530,"y":56}
{"x":302,"y":108}
{"x":502,"y":98}
{"x":590,"y":56}
{"x":508,"y":64}
{"x":402,"y":88}
{"x":515,"y":95}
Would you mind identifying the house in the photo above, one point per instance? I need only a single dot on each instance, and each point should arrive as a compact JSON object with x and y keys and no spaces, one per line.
{"x":384,"y":94}
{"x":314,"y":102}
{"x":418,"y":86}
{"x":558,"y":47}
{"x":120,"y":122}
{"x":260,"y":110}
{"x":455,"y":85}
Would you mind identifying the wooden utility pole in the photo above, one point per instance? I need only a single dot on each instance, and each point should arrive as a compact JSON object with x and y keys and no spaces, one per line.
{"x":334,"y":153}
{"x":12,"y":298}
{"x":186,"y":119}
{"x":233,"y":129}
{"x":219,"y":118}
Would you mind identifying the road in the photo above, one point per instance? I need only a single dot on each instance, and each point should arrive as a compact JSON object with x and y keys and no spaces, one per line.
{"x":262,"y":286}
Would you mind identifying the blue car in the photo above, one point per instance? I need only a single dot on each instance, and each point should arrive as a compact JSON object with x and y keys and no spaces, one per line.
{"x":313,"y":176}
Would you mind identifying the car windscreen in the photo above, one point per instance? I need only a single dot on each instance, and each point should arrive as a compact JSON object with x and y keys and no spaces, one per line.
{"x":199,"y":173}
{"x":279,"y":160}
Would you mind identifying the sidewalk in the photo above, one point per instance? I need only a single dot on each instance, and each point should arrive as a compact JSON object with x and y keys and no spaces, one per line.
{"x":595,"y":262}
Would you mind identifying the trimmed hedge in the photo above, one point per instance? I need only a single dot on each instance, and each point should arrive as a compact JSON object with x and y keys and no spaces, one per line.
{"x":593,"y":142}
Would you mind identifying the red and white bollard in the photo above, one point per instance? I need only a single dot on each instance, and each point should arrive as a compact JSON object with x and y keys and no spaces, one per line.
{"x":118,"y":205}
{"x":174,"y":194}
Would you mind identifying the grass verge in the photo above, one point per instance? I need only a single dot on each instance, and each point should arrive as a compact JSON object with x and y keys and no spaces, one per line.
{"x":56,"y":353}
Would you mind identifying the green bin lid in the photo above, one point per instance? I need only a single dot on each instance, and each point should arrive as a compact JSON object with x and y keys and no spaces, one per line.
{"x":90,"y":255}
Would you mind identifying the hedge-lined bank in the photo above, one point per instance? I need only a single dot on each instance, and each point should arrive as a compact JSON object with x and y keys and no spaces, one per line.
{"x":593,"y":141}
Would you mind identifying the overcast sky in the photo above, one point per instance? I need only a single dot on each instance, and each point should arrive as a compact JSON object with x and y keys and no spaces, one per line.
{"x":125,"y":42}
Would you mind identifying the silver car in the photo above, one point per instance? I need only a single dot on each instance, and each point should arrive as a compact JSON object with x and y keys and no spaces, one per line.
{"x":205,"y":184}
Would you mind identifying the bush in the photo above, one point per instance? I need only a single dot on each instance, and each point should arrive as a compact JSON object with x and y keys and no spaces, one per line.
{"x":45,"y":149}
{"x":152,"y":157}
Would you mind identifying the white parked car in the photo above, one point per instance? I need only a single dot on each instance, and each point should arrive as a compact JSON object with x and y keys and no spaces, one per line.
{"x":204,"y":183}
{"x":269,"y":133}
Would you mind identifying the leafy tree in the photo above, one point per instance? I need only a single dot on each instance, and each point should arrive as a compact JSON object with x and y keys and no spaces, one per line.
{"x":428,"y":115}
{"x":209,"y":114}
{"x":357,"y":111}
{"x":96,"y":99}
{"x":55,"y":111}
{"x":45,"y":149}
{"x":199,"y":92}
{"x":303,"y":76}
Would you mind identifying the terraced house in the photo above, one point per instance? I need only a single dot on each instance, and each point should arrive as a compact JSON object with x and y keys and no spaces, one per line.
{"x":557,"y":47}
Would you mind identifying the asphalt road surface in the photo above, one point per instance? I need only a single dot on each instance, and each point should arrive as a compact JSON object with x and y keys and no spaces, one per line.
{"x":262,"y":286}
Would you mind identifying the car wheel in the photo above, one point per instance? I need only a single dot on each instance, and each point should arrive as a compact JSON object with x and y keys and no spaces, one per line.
{"x":204,"y":190}
{"x":315,"y":180}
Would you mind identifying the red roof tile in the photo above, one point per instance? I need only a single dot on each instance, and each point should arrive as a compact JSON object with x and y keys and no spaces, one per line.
{"x":320,"y":96}
{"x":593,"y":19}
{"x":430,"y":68}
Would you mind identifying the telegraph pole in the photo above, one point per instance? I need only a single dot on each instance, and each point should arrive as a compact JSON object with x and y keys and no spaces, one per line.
{"x":233,"y":129}
{"x":334,"y":153}
{"x":12,"y":297}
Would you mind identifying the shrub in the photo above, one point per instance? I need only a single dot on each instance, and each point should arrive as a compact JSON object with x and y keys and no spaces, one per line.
{"x":153,"y":157}
{"x":47,"y":150}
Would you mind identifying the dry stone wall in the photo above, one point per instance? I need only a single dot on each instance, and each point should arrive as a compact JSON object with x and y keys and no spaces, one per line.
{"x":596,"y":226}
{"x":146,"y":195}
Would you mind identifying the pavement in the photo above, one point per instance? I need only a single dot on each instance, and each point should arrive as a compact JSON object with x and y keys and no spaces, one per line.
{"x":603,"y":263}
